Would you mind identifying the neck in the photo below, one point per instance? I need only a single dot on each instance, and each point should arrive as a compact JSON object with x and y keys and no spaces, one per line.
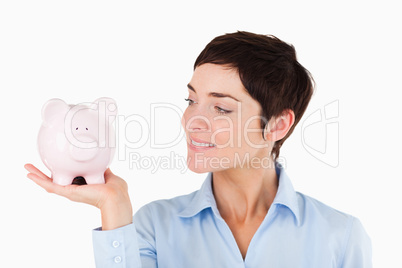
{"x":244,"y":194}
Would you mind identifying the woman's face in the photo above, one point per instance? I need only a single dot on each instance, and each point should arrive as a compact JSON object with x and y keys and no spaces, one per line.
{"x":222,"y":122}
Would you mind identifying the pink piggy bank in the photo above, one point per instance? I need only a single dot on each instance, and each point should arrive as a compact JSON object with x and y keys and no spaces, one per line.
{"x":77,"y":140}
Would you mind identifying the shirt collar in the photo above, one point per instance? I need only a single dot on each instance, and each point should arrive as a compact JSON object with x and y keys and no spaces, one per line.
{"x":204,"y":197}
{"x":286,"y":195}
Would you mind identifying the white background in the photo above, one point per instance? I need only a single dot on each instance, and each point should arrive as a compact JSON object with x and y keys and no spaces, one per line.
{"x":141,"y":53}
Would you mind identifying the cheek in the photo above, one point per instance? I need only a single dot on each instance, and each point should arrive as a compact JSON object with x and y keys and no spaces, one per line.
{"x":224,"y":132}
{"x":252,"y":133}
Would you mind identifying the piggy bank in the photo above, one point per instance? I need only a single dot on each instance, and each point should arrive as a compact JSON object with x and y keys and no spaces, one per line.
{"x":77,"y":140}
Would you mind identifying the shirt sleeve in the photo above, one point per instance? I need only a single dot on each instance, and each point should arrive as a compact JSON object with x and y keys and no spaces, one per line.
{"x":128,"y":246}
{"x":358,"y":251}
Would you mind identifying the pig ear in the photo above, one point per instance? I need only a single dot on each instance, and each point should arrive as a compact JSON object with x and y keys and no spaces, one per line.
{"x":107,"y":106}
{"x":53,"y":108}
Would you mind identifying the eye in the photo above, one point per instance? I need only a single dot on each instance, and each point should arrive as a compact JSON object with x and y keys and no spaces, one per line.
{"x":76,"y":128}
{"x":86,"y":128}
{"x":190,"y":101}
{"x":221,"y":111}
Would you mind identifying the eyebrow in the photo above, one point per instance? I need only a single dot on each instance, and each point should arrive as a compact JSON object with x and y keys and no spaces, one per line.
{"x":214,"y":94}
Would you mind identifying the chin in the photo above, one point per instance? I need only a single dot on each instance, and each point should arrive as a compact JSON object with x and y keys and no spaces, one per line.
{"x":203,"y":166}
{"x":199,"y":168}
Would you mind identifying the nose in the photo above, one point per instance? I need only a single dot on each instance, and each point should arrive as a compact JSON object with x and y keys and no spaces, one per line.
{"x":196,"y":122}
{"x":86,"y":150}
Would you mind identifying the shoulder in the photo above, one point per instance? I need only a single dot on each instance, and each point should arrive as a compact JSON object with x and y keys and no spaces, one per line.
{"x":327,"y":221}
{"x":337,"y":226}
{"x":314,"y":210}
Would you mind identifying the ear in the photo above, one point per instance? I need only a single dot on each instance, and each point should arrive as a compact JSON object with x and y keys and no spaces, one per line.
{"x":53,"y":108}
{"x":279,"y":126}
{"x":107,"y":107}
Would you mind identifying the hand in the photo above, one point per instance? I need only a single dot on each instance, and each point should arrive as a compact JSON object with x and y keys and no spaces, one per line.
{"x":111,"y":198}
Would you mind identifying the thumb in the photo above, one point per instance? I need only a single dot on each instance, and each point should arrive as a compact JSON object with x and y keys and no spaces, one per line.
{"x":108,"y":171}
{"x":108,"y":174}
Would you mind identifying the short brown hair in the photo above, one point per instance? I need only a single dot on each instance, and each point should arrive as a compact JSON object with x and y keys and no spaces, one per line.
{"x":268,"y":69}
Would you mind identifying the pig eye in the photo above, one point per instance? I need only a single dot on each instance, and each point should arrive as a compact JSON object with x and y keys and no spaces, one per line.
{"x":76,"y":128}
{"x":86,"y":128}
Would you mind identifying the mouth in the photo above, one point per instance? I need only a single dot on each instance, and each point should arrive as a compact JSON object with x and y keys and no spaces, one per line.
{"x":200,"y":145}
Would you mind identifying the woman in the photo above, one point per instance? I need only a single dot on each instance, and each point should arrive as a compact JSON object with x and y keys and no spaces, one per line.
{"x":246,"y":96}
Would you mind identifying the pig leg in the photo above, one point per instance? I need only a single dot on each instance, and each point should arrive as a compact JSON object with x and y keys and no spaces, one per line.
{"x":62,"y":179}
{"x":95,"y":179}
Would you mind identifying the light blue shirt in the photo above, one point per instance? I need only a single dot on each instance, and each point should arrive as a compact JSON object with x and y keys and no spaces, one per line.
{"x":187,"y":231}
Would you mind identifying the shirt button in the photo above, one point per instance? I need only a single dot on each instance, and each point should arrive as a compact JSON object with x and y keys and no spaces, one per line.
{"x":116,"y":244}
{"x":117,"y":259}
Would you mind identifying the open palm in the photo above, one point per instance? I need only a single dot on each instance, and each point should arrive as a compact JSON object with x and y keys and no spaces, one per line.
{"x":92,"y":194}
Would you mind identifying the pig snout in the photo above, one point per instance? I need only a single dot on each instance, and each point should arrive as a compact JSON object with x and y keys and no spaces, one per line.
{"x":85,"y":149}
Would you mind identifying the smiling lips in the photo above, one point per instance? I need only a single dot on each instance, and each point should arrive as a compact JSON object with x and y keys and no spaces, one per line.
{"x":197,"y":144}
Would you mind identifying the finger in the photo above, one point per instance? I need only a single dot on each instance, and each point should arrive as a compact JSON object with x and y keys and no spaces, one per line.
{"x":46,"y":184}
{"x":108,"y":174}
{"x":31,"y":168}
{"x":50,"y":187}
